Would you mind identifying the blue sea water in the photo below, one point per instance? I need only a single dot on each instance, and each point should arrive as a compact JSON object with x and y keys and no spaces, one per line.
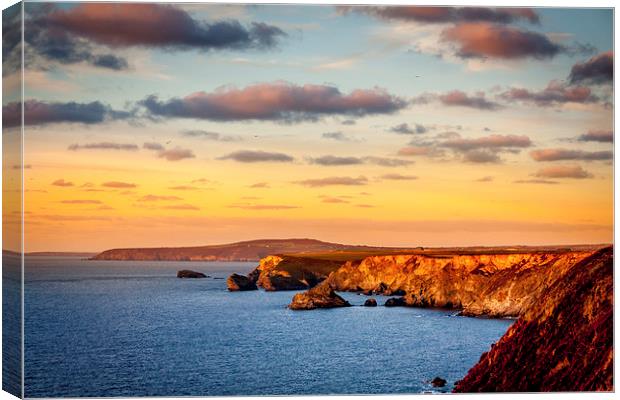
{"x":106,"y":328}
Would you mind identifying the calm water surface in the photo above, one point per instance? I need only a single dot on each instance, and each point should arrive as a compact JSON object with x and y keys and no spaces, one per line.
{"x":105,"y":328}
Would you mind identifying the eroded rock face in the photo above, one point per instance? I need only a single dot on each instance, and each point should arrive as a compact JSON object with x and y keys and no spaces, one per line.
{"x":564,"y":342}
{"x":186,"y":273}
{"x":237,"y":282}
{"x":292,"y":273}
{"x":320,"y":296}
{"x":493,"y":285}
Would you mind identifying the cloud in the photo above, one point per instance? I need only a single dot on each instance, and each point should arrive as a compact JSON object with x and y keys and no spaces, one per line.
{"x":188,"y":207}
{"x":417,"y":151}
{"x":260,"y":185}
{"x":488,"y":142}
{"x":462,"y":99}
{"x":597,"y":70}
{"x":405,"y":129}
{"x":565,"y":154}
{"x":252,"y":156}
{"x":339,"y":136}
{"x":430,"y":15}
{"x":334,"y":181}
{"x":81,"y":202}
{"x":119,"y":185}
{"x":184,"y":187}
{"x":158,"y":25}
{"x":103,"y":146}
{"x":153,"y":146}
{"x":335,"y":160}
{"x":334,"y":200}
{"x":485,"y":179}
{"x":212,"y":136}
{"x":556,"y":93}
{"x":386,"y":162}
{"x":563,"y":171}
{"x":537,"y":181}
{"x":151,"y":197}
{"x":62,"y":183}
{"x":481,"y":156}
{"x":340,"y":161}
{"x":279,"y":101}
{"x":485,"y":40}
{"x":597,"y":136}
{"x":40,"y":113}
{"x":176,"y":154}
{"x":398,"y":177}
{"x":348,"y":122}
{"x":261,"y":207}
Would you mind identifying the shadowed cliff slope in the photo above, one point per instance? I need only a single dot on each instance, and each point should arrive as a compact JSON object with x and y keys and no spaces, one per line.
{"x":564,"y":342}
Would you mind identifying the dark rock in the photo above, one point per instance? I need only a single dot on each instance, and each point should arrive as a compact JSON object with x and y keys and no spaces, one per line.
{"x":370,"y":303}
{"x":320,"y":296}
{"x":438,"y":382}
{"x":186,"y":273}
{"x":395,"y":302}
{"x":237,"y":283}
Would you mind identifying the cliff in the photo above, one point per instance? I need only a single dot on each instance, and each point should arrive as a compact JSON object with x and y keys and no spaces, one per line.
{"x":252,"y":250}
{"x":492,"y":285}
{"x":563,"y":342}
{"x":289,"y":273}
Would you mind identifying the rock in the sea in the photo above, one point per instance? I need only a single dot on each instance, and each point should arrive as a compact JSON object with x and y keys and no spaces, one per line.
{"x":237,"y":283}
{"x":186,"y":273}
{"x":370,"y":303}
{"x":395,"y":302}
{"x":320,"y":296}
{"x":438,"y":382}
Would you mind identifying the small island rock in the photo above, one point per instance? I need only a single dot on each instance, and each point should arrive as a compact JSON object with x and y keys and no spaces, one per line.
{"x":438,"y":382}
{"x":320,"y":296}
{"x":395,"y":302}
{"x":237,"y":283}
{"x":370,"y":303}
{"x":186,"y":273}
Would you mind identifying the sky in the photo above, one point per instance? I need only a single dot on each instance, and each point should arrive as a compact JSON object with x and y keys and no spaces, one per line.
{"x":180,"y":125}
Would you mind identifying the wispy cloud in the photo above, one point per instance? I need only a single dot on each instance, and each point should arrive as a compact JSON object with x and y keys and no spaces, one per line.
{"x":565,"y":154}
{"x":334,"y":181}
{"x":104,"y":146}
{"x":212,"y":136}
{"x":254,"y":156}
{"x":119,"y":185}
{"x":564,"y":171}
{"x":62,"y":183}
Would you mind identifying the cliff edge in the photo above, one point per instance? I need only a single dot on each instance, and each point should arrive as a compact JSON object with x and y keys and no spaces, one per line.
{"x":564,"y":342}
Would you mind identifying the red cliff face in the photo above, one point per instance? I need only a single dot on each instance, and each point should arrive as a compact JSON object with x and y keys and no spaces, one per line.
{"x":493,"y":285}
{"x":563,"y":342}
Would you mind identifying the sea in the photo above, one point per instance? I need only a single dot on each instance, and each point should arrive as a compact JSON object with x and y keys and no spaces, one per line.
{"x":108,"y":328}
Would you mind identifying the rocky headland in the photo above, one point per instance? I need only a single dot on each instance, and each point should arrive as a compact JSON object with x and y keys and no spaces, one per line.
{"x":562,"y":297}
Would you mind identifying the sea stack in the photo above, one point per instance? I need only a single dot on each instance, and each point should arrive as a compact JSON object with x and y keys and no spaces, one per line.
{"x":240,"y":283}
{"x":186,"y":273}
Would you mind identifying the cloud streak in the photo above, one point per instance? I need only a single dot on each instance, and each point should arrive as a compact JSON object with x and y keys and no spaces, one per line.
{"x":438,"y":15}
{"x":575,"y":155}
{"x":104,"y":146}
{"x":255,"y":156}
{"x":564,"y":172}
{"x":158,"y":25}
{"x":486,"y":40}
{"x":556,"y":93}
{"x":334,"y":181}
{"x":279,"y":101}
{"x":41,"y":113}
{"x":597,"y":136}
